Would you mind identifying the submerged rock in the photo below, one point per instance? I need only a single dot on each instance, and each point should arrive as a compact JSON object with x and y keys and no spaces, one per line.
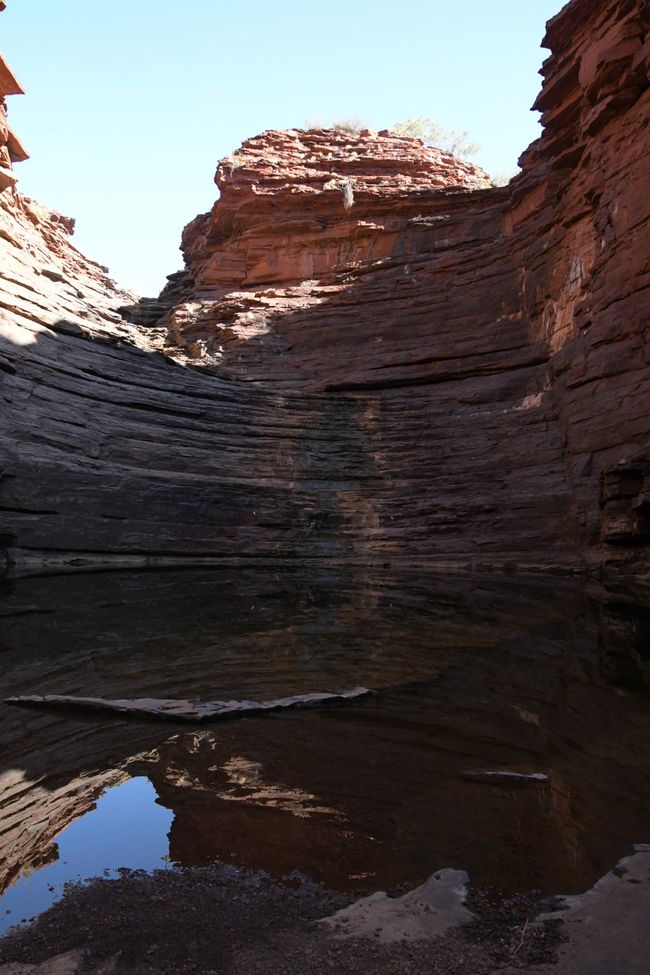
{"x":195,"y":712}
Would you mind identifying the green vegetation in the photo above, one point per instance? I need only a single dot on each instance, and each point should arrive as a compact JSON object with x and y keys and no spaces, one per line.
{"x":434,"y":134}
{"x":459,"y":144}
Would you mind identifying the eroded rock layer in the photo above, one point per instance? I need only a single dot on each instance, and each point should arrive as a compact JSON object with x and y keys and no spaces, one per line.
{"x":370,"y":354}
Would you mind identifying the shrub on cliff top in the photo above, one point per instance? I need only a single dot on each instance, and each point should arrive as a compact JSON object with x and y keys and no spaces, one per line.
{"x":501,"y":178}
{"x":434,"y":134}
{"x":353,"y":125}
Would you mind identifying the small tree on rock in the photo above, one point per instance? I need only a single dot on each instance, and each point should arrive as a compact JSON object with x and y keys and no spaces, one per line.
{"x":434,"y":134}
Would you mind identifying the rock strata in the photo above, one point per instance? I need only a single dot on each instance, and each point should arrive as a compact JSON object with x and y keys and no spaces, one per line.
{"x":11,"y":148}
{"x":369,"y":355}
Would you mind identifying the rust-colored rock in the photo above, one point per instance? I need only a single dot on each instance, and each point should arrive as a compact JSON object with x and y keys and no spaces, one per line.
{"x":519,"y":313}
{"x":9,"y":84}
{"x":301,"y":216}
{"x":401,"y":364}
{"x":11,"y":148}
{"x":298,"y":205}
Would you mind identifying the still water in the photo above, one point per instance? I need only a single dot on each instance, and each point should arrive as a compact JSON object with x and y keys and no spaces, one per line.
{"x":508,"y":733}
{"x":126,"y":829}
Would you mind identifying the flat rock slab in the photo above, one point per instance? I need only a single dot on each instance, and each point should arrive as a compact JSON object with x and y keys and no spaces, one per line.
{"x":607,"y":927}
{"x":507,"y":778}
{"x":66,"y":964}
{"x":194,"y":712}
{"x":426,"y":912}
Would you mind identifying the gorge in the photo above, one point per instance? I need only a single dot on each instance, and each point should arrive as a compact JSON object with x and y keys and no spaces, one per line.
{"x":389,"y":427}
{"x":506,"y":326}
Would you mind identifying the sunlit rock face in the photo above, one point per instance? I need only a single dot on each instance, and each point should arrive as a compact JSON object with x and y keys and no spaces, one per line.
{"x":309,"y":269}
{"x":370,"y":354}
{"x":296,"y":205}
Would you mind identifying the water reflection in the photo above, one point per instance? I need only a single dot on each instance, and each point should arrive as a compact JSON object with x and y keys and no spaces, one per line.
{"x":473,"y":676}
{"x":126,"y":829}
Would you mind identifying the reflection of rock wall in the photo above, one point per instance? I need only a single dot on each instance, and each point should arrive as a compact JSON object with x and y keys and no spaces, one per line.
{"x":35,"y":812}
{"x":475,"y":679}
{"x":438,"y":371}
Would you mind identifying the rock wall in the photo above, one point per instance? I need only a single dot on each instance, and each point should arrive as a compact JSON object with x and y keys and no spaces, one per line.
{"x":370,"y":354}
{"x":109,"y":452}
{"x":584,"y":229}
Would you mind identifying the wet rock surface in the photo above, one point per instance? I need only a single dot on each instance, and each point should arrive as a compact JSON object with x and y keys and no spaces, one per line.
{"x":424,"y":913}
{"x":237,"y":925}
{"x":195,"y":712}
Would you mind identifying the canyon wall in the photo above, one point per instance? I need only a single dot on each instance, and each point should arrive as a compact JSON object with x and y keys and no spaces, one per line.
{"x":371,"y":354}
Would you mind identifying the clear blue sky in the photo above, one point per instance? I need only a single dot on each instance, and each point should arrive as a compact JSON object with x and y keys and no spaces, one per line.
{"x":130,"y":104}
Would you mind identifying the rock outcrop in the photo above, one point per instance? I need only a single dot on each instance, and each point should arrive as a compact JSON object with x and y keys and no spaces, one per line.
{"x":284,"y":264}
{"x":370,"y":354}
{"x":11,"y":148}
{"x":300,"y":217}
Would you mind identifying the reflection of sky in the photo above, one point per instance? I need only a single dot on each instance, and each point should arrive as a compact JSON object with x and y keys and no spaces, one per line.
{"x":127,"y":829}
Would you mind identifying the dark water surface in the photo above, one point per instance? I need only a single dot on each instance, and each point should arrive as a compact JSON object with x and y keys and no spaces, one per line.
{"x":509,"y":734}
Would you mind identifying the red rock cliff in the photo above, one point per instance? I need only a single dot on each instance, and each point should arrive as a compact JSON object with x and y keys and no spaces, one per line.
{"x":302,"y":217}
{"x":395,"y":361}
{"x":519,"y":314}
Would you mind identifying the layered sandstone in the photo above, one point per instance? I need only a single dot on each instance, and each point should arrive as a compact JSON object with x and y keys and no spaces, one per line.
{"x":297,"y":205}
{"x":11,"y":148}
{"x":370,"y":354}
{"x":301,"y":217}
